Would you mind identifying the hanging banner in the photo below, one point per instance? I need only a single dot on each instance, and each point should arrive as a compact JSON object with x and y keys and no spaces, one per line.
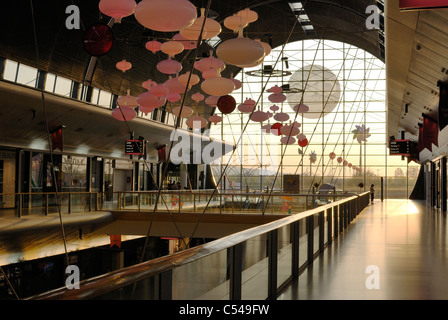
{"x":56,"y":139}
{"x":420,"y":137}
{"x":430,"y":132}
{"x":161,"y":152}
{"x":443,"y":104}
{"x":413,"y":152}
{"x":423,"y":4}
{"x":115,"y":240}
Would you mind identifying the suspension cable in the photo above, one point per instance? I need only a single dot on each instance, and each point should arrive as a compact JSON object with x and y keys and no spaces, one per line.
{"x":53,"y":173}
{"x":244,"y":129}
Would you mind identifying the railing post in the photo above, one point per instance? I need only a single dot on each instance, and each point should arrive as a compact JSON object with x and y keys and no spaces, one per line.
{"x":295,"y":249}
{"x":345,"y":214}
{"x":46,"y":204}
{"x":358,"y":205}
{"x":138,"y":201}
{"x":351,"y":211}
{"x":19,"y":213}
{"x":236,"y":270}
{"x":166,"y":285}
{"x":310,"y":224}
{"x":96,"y":201}
{"x":335,"y":221}
{"x":273,"y":264}
{"x":321,"y":230}
{"x":330,"y":225}
{"x":341,"y":218}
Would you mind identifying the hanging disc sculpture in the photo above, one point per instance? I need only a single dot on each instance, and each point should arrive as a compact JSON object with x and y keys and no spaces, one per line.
{"x":322,"y":90}
{"x":98,"y":40}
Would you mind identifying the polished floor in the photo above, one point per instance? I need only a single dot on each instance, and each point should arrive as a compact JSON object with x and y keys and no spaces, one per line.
{"x":394,"y":250}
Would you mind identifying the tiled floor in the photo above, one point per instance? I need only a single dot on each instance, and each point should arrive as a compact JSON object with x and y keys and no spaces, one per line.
{"x":396,"y":249}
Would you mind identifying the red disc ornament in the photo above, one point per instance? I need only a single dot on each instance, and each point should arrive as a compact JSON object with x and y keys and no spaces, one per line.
{"x":226,"y":104}
{"x":303,"y":143}
{"x":339,"y":159}
{"x":275,"y":129}
{"x":98,"y":40}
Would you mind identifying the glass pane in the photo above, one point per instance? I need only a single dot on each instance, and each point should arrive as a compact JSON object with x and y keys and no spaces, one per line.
{"x":202,"y":279}
{"x":303,"y":242}
{"x":255,"y":269}
{"x":74,"y":173}
{"x":10,"y":70}
{"x":63,"y":86}
{"x":328,"y":215}
{"x":146,"y":289}
{"x":27,"y":75}
{"x":105,"y":99}
{"x":284,"y":255}
{"x":49,"y":82}
{"x":95,"y":96}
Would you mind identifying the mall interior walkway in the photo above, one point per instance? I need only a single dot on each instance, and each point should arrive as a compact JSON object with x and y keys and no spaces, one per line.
{"x":395,"y":249}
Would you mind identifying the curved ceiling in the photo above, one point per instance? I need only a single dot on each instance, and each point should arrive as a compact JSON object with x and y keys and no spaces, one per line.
{"x":51,"y":47}
{"x":416,"y":61}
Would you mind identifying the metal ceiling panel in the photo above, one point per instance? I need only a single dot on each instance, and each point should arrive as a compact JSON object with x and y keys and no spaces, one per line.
{"x":419,"y":40}
{"x":60,"y":50}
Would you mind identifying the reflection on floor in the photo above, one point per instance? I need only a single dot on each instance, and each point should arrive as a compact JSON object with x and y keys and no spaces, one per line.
{"x":396,"y":249}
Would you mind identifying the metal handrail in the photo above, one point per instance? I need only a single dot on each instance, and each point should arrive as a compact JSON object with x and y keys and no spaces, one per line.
{"x":92,"y":288}
{"x":198,"y":192}
{"x":93,"y":197}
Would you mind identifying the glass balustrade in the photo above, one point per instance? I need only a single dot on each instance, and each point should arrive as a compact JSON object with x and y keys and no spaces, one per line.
{"x":204,"y":201}
{"x":251,"y":265}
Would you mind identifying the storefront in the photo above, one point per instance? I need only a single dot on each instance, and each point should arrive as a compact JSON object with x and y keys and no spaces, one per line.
{"x":7,"y":178}
{"x":35,"y":174}
{"x":436,"y":183}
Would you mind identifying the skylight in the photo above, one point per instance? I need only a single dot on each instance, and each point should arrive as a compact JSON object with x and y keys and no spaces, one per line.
{"x":296,"y":6}
{"x":299,"y":11}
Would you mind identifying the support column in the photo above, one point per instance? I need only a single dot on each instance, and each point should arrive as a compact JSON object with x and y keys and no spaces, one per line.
{"x":273,"y":265}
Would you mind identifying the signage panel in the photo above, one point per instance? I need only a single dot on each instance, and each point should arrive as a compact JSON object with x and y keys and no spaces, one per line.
{"x":400,"y":147}
{"x":134,"y":147}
